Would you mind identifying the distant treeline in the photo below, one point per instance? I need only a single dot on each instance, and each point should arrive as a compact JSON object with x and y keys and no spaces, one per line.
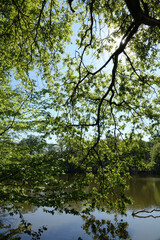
{"x":59,"y":155}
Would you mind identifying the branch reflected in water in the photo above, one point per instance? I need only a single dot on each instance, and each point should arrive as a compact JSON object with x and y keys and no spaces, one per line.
{"x":135,"y":214}
{"x":105,"y":229}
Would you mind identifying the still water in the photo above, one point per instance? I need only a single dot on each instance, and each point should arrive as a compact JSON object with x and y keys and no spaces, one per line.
{"x":145,"y":192}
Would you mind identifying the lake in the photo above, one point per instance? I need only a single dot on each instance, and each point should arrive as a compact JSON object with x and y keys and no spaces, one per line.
{"x":42,"y":223}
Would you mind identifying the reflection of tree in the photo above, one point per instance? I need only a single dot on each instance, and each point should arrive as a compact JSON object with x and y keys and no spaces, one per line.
{"x":145,"y":192}
{"x":11,"y":232}
{"x":105,"y":229}
{"x":50,"y":189}
{"x":98,"y":229}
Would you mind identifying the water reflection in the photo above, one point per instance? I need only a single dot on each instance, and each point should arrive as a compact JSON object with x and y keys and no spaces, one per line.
{"x":67,"y":220}
{"x":145,"y":192}
{"x":13,"y":224}
{"x":105,"y":229}
{"x":64,"y":226}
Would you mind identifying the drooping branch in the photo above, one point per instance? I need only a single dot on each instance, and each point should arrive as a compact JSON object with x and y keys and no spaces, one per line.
{"x":140,"y":13}
{"x":133,"y":28}
{"x":110,"y":89}
{"x":90,"y":29}
{"x":38,"y":22}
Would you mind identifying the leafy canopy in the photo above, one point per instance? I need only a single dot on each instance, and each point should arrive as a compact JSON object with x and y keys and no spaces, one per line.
{"x":79,"y":92}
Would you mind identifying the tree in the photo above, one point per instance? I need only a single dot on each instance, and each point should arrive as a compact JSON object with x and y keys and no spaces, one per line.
{"x":155,"y":156}
{"x":75,"y":95}
{"x":33,"y":144}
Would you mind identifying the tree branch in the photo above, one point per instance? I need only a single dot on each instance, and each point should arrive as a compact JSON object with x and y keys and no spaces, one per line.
{"x":140,"y":16}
